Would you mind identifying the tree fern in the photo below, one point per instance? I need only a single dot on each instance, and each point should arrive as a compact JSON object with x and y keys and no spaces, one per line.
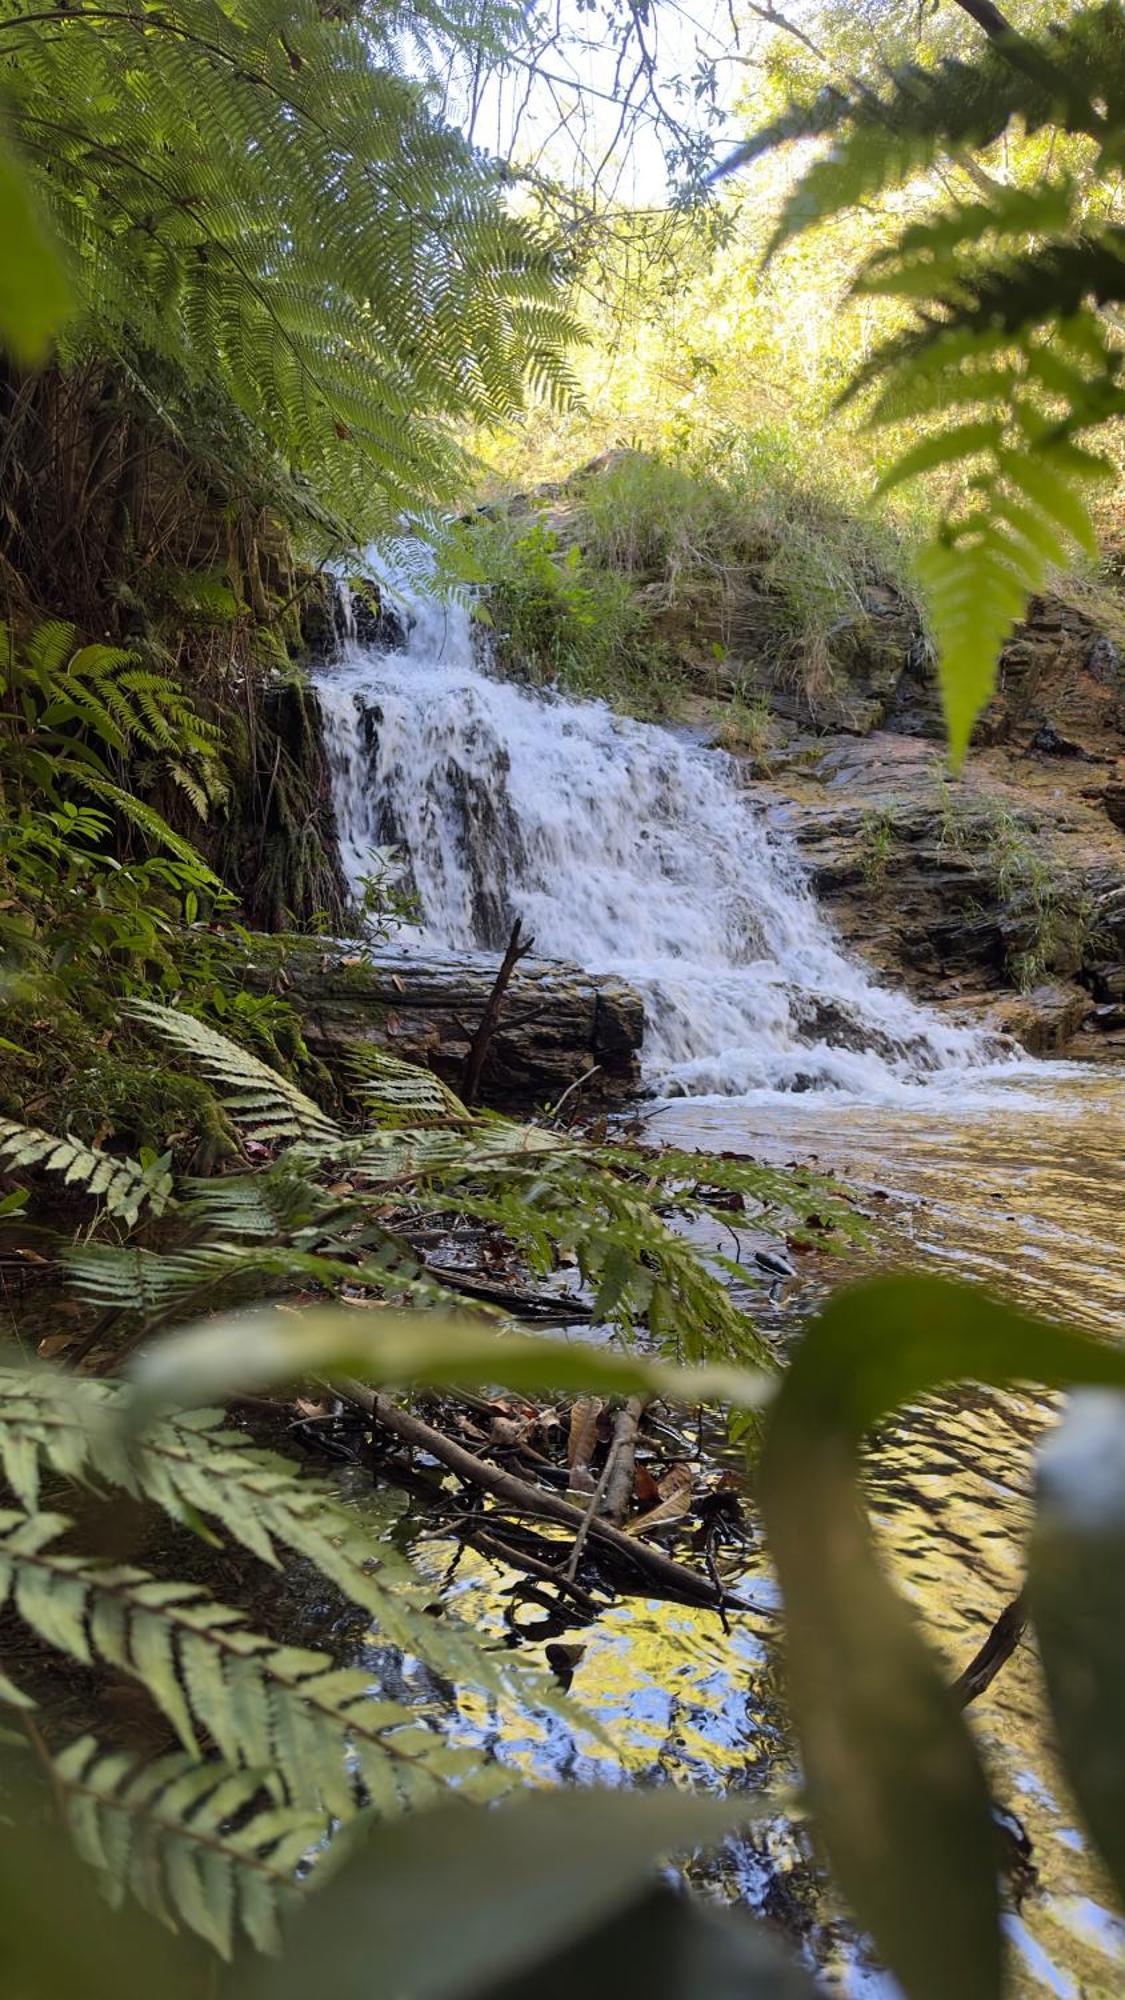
{"x":1004,"y":355}
{"x":260,"y":203}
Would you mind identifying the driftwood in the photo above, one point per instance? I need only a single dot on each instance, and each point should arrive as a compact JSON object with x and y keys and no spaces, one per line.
{"x":667,"y":1576}
{"x":622,"y":1462}
{"x":518,"y":947}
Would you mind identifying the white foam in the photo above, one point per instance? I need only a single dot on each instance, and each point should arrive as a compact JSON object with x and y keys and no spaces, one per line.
{"x":623,"y":849}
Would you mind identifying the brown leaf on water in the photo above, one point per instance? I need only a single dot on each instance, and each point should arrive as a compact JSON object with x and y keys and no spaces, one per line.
{"x":676,"y":1495}
{"x":646,"y":1492}
{"x":679,"y":1478}
{"x":583,"y":1431}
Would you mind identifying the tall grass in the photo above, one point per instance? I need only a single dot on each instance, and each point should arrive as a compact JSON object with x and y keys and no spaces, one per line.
{"x":623,"y":581}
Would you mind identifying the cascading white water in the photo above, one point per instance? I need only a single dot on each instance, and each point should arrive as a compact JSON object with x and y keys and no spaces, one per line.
{"x":624,"y":849}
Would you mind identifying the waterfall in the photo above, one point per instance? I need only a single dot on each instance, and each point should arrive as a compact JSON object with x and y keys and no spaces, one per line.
{"x":623,"y":847}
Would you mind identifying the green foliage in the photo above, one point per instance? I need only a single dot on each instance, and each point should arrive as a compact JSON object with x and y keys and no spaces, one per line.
{"x":35,"y":294}
{"x":204,"y":1365}
{"x":334,"y":1208}
{"x":1004,"y":353}
{"x":267,"y":1104}
{"x":645,"y":574}
{"x":277,"y":1740}
{"x":123,"y":1186}
{"x":264,"y":205}
{"x":555,"y":619}
{"x":78,"y":906}
{"x":876,"y":842}
{"x":743,"y":727}
{"x":893,"y":1776}
{"x":164,"y":1832}
{"x":1047,"y":908}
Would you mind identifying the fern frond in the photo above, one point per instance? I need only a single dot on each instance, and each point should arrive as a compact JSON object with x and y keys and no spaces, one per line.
{"x":121,"y":1184}
{"x":401,"y":1093}
{"x":266,"y":1103}
{"x":146,"y":1282}
{"x":200,"y":1470}
{"x":197,"y":1844}
{"x":1003,"y":355}
{"x":290,"y":1710}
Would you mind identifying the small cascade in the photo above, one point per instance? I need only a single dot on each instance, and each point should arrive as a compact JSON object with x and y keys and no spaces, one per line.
{"x":623,"y":848}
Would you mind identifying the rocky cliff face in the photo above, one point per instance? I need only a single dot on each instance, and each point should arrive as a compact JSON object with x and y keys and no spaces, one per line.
{"x":1001,"y":891}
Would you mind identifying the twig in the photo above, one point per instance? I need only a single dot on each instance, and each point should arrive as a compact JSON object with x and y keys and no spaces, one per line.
{"x":652,"y":1563}
{"x":999,"y":1646}
{"x":518,"y":948}
{"x":553,"y":1113}
{"x":495,"y":1546}
{"x":591,"y":1509}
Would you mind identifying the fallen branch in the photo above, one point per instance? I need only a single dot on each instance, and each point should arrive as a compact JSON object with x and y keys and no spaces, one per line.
{"x":999,"y":1646}
{"x":623,"y":1460}
{"x":670,"y":1576}
{"x":489,"y":1021}
{"x":526,"y":1305}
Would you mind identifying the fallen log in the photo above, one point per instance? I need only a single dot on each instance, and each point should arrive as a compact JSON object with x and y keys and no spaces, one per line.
{"x":669,"y":1576}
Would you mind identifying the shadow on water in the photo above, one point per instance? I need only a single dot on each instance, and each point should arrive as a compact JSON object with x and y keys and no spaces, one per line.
{"x":1025,"y":1196}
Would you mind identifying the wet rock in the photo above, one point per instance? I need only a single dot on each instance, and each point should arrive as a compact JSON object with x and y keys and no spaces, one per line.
{"x":1113,"y":799}
{"x":557,"y":1022}
{"x":1046,"y":1019}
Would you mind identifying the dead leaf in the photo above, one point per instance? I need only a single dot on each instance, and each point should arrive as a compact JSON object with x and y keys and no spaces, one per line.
{"x":508,"y":1431}
{"x":676,"y":1494}
{"x":679,"y":1478}
{"x":646,"y":1492}
{"x":54,"y":1343}
{"x":583,"y":1431}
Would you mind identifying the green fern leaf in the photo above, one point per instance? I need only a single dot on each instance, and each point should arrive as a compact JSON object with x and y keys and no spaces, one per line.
{"x":123,"y":1185}
{"x":166,"y":1832}
{"x":266,"y":1103}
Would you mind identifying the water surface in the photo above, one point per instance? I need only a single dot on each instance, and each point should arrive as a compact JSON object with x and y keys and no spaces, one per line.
{"x":1022,"y":1191}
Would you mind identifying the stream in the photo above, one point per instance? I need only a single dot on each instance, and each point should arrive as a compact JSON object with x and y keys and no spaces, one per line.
{"x":626,"y":847}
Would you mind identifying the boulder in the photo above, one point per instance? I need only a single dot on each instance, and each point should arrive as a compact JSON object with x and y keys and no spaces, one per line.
{"x":556,"y":1023}
{"x":1046,"y":1019}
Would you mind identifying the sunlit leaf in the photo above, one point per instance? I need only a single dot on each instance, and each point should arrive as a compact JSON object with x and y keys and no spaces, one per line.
{"x":256,"y":1351}
{"x":892,"y":1774}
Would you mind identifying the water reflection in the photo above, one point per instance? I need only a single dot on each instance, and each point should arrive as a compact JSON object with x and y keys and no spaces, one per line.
{"x":1026,"y":1196}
